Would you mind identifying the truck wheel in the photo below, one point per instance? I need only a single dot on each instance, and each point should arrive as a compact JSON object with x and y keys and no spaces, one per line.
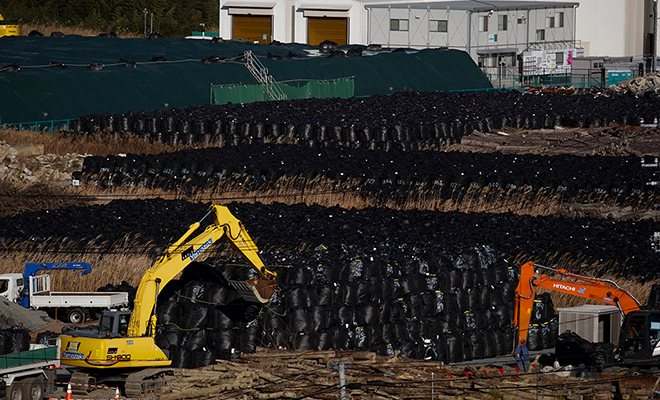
{"x":76,"y":316}
{"x":35,"y":389}
{"x":16,"y":391}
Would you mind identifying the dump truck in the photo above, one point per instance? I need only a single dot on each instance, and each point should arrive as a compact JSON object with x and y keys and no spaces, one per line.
{"x":33,"y":291}
{"x":30,"y":374}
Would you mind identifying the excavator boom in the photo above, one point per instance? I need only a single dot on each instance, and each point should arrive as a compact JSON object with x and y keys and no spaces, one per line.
{"x":134,"y":347}
{"x":601,"y":290}
{"x":184,"y":251}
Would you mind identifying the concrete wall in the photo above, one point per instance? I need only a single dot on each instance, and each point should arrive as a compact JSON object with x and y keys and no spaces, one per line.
{"x":614,"y":28}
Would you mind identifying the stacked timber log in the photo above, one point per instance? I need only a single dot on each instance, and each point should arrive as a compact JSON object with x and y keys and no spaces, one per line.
{"x":282,"y":374}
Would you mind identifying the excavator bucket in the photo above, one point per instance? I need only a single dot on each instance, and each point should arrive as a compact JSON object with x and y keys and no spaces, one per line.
{"x":255,"y":290}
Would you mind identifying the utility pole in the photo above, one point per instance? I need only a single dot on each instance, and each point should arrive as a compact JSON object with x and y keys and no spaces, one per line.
{"x":145,"y":21}
{"x":342,"y":381}
{"x":655,"y":36}
{"x":219,"y":18}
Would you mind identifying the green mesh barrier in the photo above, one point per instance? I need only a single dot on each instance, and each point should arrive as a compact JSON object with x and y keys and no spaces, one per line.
{"x":300,"y":89}
{"x":238,"y":94}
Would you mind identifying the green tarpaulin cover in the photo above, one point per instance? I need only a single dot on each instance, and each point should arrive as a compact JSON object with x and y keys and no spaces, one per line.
{"x":39,"y":92}
{"x":293,"y":90}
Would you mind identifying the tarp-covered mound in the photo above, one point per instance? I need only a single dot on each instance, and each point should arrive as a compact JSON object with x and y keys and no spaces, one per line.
{"x":177,"y":78}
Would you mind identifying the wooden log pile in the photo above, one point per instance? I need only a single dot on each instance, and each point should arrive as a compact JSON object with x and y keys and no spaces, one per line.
{"x":297,"y":374}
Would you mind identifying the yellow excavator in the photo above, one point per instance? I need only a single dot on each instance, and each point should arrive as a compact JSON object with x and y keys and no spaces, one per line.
{"x":8,"y":28}
{"x":124,"y":348}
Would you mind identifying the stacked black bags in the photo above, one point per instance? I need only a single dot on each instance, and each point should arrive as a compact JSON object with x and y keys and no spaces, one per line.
{"x":14,"y":340}
{"x":544,"y":324}
{"x":201,"y":318}
{"x":441,"y":307}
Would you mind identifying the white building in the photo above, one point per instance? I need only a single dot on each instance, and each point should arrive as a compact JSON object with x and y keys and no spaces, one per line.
{"x":616,"y":28}
{"x":604,"y":27}
{"x":294,"y":21}
{"x":495,"y":34}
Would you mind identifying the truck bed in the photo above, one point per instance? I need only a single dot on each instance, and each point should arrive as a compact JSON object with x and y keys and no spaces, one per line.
{"x":79,"y":299}
{"x":17,"y":361}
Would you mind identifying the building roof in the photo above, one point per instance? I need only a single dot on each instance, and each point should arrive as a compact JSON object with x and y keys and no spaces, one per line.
{"x":477,"y":5}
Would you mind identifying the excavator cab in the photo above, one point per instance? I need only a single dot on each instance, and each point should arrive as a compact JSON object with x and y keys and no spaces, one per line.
{"x":639,"y":342}
{"x":114,"y":323}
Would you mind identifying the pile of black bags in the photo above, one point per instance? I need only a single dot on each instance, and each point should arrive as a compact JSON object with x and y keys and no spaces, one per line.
{"x":400,"y":120}
{"x":14,"y":340}
{"x":571,"y":349}
{"x":392,"y":174}
{"x":544,"y":324}
{"x":441,"y":307}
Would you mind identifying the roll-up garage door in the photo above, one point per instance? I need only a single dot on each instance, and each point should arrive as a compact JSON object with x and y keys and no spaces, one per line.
{"x":252,"y":28}
{"x":324,"y":28}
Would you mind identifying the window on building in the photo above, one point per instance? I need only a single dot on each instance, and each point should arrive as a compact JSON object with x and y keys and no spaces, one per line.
{"x":398,"y":24}
{"x":502,"y":22}
{"x":540,"y":34}
{"x":522,"y":20}
{"x":560,"y":20}
{"x":483,"y":24}
{"x":549,"y":22}
{"x":438,"y":25}
{"x":559,"y":58}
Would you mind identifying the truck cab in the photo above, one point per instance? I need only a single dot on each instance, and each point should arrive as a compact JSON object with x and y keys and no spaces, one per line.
{"x":11,"y":286}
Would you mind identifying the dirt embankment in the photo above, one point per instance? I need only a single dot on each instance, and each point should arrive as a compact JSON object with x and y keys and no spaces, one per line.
{"x":14,"y":315}
{"x":27,"y":164}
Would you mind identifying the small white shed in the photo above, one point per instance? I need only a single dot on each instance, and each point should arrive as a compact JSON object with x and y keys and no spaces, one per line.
{"x":594,"y":323}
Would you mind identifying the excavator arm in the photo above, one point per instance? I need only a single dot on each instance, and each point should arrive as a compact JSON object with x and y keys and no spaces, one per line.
{"x":180,"y":254}
{"x":601,"y":290}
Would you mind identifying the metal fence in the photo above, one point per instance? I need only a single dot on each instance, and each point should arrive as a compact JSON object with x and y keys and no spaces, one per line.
{"x":517,"y":81}
{"x":39,"y":126}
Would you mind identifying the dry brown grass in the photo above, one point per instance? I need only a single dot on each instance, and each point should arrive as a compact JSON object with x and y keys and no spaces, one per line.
{"x":17,"y":199}
{"x":102,"y":145}
{"x":46,"y":30}
{"x":126,"y":262}
{"x":328,"y":193}
{"x":129,"y":261}
{"x":112,"y":263}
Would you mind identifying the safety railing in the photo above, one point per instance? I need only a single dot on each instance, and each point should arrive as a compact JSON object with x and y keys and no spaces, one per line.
{"x":51,"y":125}
{"x":260,"y":73}
{"x":519,"y":82}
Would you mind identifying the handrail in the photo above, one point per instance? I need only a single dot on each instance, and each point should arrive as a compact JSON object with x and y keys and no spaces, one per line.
{"x":260,"y":72}
{"x":49,"y":124}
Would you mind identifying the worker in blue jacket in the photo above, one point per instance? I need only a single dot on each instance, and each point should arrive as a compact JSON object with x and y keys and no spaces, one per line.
{"x":522,"y":356}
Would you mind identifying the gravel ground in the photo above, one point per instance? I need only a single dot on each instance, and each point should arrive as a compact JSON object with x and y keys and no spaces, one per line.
{"x":12,"y":314}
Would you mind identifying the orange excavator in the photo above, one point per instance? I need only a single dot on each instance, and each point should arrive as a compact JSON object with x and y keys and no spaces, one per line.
{"x":639,"y":341}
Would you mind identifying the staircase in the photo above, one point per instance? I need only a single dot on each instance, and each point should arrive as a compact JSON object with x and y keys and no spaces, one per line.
{"x":260,"y":73}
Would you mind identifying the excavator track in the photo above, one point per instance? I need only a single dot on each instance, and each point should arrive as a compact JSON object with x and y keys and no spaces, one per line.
{"x":81,"y":383}
{"x":147,"y":380}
